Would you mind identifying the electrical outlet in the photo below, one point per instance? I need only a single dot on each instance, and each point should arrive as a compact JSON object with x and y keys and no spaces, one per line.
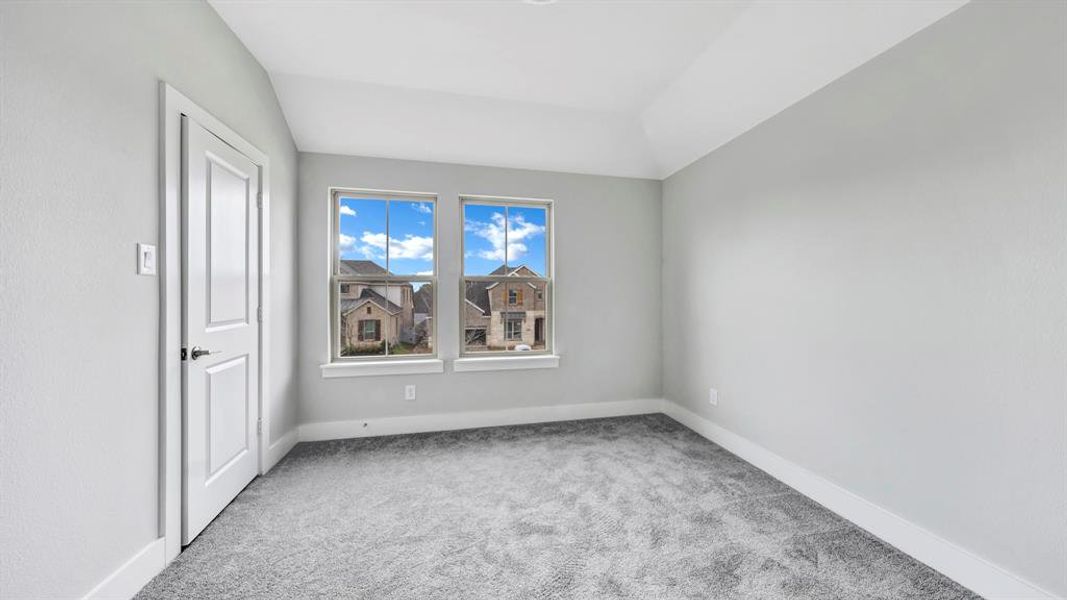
{"x":409,"y":393}
{"x":713,"y":396}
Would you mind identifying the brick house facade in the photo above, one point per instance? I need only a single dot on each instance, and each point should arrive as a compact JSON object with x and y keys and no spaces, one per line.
{"x":499,"y":316}
{"x":372,"y":314}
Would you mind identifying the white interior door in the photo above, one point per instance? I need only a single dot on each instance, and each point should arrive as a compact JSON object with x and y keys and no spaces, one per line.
{"x":220,"y":325}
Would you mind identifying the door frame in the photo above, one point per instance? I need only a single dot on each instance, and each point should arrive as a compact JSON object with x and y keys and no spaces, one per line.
{"x":174,"y":104}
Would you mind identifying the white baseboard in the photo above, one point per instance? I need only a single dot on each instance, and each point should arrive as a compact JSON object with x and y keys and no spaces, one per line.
{"x":336,"y":430}
{"x":973,"y":572}
{"x":278,"y":450}
{"x":128,"y":579}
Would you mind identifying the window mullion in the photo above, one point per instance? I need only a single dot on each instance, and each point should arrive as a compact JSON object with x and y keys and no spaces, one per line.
{"x":388,"y":269}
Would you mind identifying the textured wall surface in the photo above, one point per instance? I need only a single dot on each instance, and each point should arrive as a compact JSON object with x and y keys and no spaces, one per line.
{"x":607,"y":290}
{"x":876,"y":282}
{"x":79,"y":116}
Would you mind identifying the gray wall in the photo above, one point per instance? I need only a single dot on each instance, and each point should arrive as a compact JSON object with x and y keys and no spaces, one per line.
{"x":607,"y":290}
{"x":876,"y":282}
{"x":79,"y":186}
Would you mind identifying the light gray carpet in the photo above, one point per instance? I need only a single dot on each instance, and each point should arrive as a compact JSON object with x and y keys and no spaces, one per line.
{"x":634,"y":507}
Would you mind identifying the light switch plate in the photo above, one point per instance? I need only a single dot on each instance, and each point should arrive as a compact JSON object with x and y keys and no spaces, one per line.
{"x":146,"y":259}
{"x":409,"y":393}
{"x":713,"y":396}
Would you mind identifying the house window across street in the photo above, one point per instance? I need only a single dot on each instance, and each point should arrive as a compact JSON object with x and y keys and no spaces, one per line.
{"x":513,"y":327}
{"x":506,"y":276}
{"x":370,"y":330}
{"x":384,"y":275}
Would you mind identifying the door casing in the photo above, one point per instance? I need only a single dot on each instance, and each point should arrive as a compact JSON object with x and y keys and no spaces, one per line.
{"x":173,"y":104}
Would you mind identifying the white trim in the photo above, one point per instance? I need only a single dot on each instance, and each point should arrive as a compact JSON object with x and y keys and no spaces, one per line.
{"x":133,"y":575}
{"x":505,"y":363}
{"x":480,"y":309}
{"x":263,"y":161}
{"x":372,"y":194}
{"x":372,"y":368}
{"x":173,"y":104}
{"x":336,"y":430}
{"x":277,"y":451}
{"x":503,"y":200}
{"x":496,"y":283}
{"x":969,"y":570}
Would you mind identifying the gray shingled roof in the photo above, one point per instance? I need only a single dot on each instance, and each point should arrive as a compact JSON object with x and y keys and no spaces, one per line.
{"x":478,"y":293}
{"x":347,"y":304}
{"x":501,"y":270}
{"x":423,"y":299}
{"x":361,"y":267}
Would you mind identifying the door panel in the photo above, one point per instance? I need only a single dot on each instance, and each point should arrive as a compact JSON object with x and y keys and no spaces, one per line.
{"x":227,"y":412}
{"x":228,"y":274}
{"x":220,"y":392}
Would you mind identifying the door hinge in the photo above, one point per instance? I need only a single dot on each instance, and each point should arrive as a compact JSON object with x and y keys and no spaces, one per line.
{"x":183,"y":353}
{"x":259,"y":314}
{"x":259,"y":200}
{"x":259,"y":426}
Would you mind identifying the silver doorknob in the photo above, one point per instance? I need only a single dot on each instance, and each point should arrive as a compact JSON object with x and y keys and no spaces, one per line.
{"x":197,"y":352}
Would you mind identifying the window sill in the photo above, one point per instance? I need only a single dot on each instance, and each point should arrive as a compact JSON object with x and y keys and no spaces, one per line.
{"x":382,"y":367}
{"x":506,"y":363}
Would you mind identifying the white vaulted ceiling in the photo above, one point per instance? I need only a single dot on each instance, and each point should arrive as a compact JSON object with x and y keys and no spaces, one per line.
{"x":636,"y":89}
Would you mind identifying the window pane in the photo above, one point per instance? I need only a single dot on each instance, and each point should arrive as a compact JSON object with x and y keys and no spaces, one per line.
{"x":527,"y":240}
{"x":523,"y":319}
{"x":411,"y":237}
{"x":483,"y":239}
{"x":477,"y":313}
{"x":362,"y":316}
{"x":361,"y":236}
{"x":537,"y":311}
{"x":487,"y":229}
{"x":411,"y":305}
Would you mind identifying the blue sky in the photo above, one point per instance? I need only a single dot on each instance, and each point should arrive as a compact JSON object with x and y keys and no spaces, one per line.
{"x":484,"y":233}
{"x":363,"y":234}
{"x":362,"y":225}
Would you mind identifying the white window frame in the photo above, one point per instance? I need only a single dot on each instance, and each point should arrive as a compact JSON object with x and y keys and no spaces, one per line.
{"x":344,"y":366}
{"x":480,"y":360}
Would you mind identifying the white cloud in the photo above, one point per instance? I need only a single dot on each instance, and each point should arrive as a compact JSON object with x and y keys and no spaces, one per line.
{"x":414,"y":247}
{"x":424,"y":273}
{"x":519,"y":231}
{"x":373,"y":245}
{"x":347,"y":242}
{"x":347,"y":210}
{"x":422,"y":207}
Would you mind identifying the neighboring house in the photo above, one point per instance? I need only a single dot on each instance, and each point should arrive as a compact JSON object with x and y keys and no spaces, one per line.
{"x":373,"y":313}
{"x":367,"y":321}
{"x":424,"y":313}
{"x":500,"y":317}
